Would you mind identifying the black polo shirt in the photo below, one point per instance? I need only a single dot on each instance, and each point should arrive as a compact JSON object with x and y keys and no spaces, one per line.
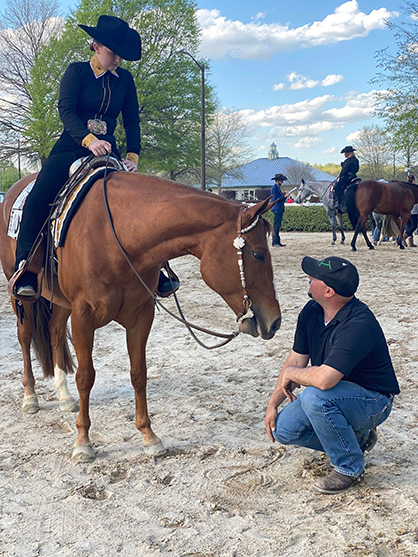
{"x":352,"y":343}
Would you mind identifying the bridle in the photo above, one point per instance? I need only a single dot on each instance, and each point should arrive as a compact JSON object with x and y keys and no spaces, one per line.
{"x":238,"y":243}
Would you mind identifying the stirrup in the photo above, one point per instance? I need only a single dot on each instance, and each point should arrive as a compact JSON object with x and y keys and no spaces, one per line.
{"x":13,"y":287}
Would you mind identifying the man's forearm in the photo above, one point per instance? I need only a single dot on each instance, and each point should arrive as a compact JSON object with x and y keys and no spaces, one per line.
{"x":323,"y":377}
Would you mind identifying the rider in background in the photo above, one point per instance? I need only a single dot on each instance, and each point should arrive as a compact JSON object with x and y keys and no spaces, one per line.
{"x":349,"y":169}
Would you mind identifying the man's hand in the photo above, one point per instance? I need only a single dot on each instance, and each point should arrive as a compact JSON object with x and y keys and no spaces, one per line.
{"x":100,"y":147}
{"x":288,"y":386}
{"x":131,"y":166}
{"x":270,"y":421}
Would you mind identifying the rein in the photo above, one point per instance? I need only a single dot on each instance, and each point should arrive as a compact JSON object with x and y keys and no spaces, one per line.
{"x":238,"y":243}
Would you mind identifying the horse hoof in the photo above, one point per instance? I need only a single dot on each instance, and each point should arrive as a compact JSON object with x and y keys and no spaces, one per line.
{"x":82,"y":454}
{"x":371,"y":247}
{"x":342,"y":242}
{"x":333,"y":243}
{"x":157,"y":449}
{"x":30,"y":404}
{"x":68,"y":405}
{"x":353,"y":249}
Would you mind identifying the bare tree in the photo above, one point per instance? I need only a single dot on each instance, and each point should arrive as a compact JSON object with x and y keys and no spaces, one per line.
{"x":227,"y":146}
{"x":25,"y":25}
{"x":298,"y":171}
{"x":373,"y":153}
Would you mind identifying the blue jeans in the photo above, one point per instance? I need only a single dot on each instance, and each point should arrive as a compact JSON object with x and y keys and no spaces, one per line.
{"x":277,"y":223}
{"x":336,"y":421}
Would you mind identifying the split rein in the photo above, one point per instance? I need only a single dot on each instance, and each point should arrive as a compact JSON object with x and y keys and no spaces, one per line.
{"x":238,"y":243}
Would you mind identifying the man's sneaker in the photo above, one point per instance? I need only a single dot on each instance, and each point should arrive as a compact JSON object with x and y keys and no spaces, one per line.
{"x":336,"y":482}
{"x":370,"y":441}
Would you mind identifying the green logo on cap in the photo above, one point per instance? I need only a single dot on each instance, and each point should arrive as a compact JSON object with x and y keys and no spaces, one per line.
{"x":326,"y":264}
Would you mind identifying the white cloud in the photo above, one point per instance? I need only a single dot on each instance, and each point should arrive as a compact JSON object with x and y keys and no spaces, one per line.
{"x":307,"y":142}
{"x":260,"y":15}
{"x":222,"y":37}
{"x":298,"y":81}
{"x":329,"y":151}
{"x":352,"y":137}
{"x":358,"y":108}
{"x":331,"y":79}
{"x":309,"y":118}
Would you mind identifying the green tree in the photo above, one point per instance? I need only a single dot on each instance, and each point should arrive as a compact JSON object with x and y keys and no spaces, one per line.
{"x":330,"y":168}
{"x":168,"y":82}
{"x":9,"y":175}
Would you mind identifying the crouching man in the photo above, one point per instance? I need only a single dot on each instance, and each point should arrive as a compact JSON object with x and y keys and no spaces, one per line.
{"x":350,"y":384}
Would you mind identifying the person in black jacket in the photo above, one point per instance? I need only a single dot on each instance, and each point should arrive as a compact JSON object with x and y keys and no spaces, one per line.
{"x":349,"y":169}
{"x":91,"y":97}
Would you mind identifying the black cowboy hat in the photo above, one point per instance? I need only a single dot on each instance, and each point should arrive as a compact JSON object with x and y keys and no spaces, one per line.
{"x":348,"y":149}
{"x":115,"y":33}
{"x":280,"y":177}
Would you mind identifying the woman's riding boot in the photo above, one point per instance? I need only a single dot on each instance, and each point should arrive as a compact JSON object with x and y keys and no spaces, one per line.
{"x":166,"y":286}
{"x":410,"y":242}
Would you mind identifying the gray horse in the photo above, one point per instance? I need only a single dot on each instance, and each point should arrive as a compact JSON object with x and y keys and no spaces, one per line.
{"x":322,"y":189}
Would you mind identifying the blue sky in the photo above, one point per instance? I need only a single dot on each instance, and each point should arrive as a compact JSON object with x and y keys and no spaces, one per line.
{"x":298,"y":70}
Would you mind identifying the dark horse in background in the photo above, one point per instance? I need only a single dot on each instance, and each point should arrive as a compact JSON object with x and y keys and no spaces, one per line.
{"x":393,"y":198}
{"x":155,"y":220}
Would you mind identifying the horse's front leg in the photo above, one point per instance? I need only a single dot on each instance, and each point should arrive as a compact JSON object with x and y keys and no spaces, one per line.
{"x":61,"y":356}
{"x":30,"y":403}
{"x":341,"y":227}
{"x":83,"y":336}
{"x":360,"y":227}
{"x":331,"y":217}
{"x":136,"y":338}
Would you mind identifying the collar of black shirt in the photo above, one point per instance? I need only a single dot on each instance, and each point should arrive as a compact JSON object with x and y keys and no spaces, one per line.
{"x":98,"y":69}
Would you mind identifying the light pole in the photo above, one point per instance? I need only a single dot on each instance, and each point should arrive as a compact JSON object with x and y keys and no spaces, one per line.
{"x":202,"y":123}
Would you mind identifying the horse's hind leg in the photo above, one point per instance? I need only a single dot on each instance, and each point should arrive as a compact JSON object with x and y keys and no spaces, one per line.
{"x":136,"y":339}
{"x":61,"y":357}
{"x":24,"y":334}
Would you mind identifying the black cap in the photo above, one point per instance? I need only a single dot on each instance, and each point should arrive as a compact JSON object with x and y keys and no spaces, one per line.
{"x":115,"y":34}
{"x":337,"y":273}
{"x":280,"y":177}
{"x":348,"y":149}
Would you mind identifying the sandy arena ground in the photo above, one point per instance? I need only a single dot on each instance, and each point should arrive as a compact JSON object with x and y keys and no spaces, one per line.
{"x":223,"y":489}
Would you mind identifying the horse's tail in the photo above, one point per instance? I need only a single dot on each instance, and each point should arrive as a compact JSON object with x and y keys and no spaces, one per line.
{"x":41,"y":314}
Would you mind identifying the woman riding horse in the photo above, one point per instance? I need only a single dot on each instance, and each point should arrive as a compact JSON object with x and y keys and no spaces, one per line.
{"x":349,"y":169}
{"x":92,"y":95}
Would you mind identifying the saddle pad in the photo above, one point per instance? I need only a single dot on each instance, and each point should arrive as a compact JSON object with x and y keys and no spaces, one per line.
{"x":62,"y":221}
{"x":17,"y":210}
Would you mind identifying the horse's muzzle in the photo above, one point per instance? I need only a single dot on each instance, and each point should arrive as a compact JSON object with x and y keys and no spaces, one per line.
{"x":252,"y":326}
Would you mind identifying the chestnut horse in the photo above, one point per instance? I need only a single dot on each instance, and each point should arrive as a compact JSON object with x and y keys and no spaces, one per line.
{"x":155,"y":220}
{"x":393,"y":198}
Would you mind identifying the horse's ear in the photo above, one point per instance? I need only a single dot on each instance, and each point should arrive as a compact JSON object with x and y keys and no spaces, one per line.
{"x":259,"y":209}
{"x":303,"y":182}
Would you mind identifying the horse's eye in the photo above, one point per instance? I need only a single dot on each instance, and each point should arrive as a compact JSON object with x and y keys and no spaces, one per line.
{"x":259,"y":255}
